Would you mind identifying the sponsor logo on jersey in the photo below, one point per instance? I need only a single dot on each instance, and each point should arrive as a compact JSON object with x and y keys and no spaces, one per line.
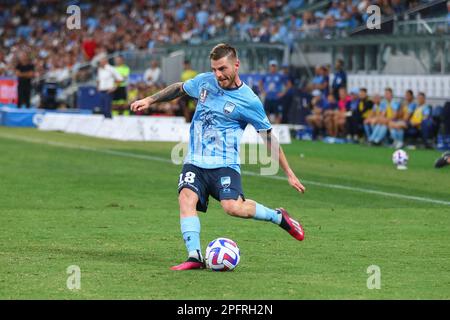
{"x":203,"y":95}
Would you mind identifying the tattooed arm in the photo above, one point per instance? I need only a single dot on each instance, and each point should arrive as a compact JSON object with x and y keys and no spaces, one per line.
{"x":167,"y":94}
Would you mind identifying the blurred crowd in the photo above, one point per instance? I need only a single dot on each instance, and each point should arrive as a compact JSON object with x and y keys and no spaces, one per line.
{"x":339,"y":114}
{"x":38,"y":27}
{"x":35,"y":41}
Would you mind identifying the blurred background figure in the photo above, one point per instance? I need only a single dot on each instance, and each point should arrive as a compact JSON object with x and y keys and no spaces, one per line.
{"x":340,"y":116}
{"x":361,"y":107}
{"x":272,"y":88}
{"x":120,"y":95}
{"x":340,"y":78}
{"x":329,"y":109}
{"x":3,"y":64}
{"x":186,"y":103}
{"x":388,"y":110}
{"x":287,"y":95}
{"x":399,"y":123}
{"x":152,"y":76}
{"x":372,"y":118}
{"x":108,"y":80}
{"x":421,"y":123}
{"x":315,"y":119}
{"x":25,"y":74}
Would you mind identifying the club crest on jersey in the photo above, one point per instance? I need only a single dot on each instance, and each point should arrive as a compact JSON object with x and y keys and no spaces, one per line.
{"x":229,"y":107}
{"x":225,"y":182}
{"x":203,"y":95}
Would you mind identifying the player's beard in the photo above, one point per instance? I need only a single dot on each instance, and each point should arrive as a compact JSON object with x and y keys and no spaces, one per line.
{"x":229,"y":82}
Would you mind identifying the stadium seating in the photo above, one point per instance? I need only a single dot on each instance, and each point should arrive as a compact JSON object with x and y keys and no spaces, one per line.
{"x":302,"y":33}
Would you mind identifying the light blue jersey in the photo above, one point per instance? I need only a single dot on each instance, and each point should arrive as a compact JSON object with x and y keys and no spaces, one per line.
{"x":220,"y":120}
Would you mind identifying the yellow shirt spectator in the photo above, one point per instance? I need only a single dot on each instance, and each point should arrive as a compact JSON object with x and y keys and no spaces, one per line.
{"x":188,"y":74}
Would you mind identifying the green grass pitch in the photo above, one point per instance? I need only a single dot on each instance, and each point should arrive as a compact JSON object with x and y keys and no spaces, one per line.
{"x":111,"y":208}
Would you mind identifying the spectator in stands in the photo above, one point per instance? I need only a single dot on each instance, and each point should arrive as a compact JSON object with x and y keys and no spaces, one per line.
{"x":152,"y":76}
{"x":315,"y":119}
{"x":446,"y":119}
{"x":3,"y":64}
{"x":107,"y":81}
{"x":421,"y":124}
{"x":361,"y":106}
{"x":25,"y":75}
{"x":321,"y":79}
{"x":398,"y":6}
{"x":132,"y":93}
{"x":317,"y":80}
{"x":187,"y":104}
{"x":448,"y":13}
{"x":326,"y":80}
{"x":264,"y":31}
{"x":309,"y":25}
{"x":107,"y":24}
{"x":372,"y":119}
{"x":386,"y":8}
{"x":340,"y":115}
{"x":120,"y":99}
{"x":388,"y":108}
{"x":339,"y":79}
{"x":302,"y":104}
{"x":329,"y":109}
{"x":89,"y":46}
{"x":327,"y":24}
{"x":287,"y":94}
{"x":352,"y":118}
{"x":272,"y":87}
{"x":399,"y":123}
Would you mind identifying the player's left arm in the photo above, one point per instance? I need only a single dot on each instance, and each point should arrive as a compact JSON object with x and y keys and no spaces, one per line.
{"x":276,"y":151}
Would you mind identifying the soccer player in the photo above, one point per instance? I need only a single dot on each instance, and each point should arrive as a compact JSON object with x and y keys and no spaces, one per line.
{"x":211,"y":167}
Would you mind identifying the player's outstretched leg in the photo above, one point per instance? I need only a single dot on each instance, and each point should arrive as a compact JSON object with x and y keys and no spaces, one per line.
{"x":190,"y":228}
{"x":251,"y":209}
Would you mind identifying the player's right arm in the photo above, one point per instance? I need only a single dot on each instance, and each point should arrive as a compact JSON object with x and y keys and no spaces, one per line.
{"x":167,"y":94}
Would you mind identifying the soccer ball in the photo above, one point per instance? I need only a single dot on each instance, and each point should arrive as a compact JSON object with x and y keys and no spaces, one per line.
{"x":222,"y":254}
{"x":400,"y":159}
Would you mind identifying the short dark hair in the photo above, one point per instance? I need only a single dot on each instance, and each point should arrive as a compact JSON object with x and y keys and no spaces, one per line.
{"x":222,"y":50}
{"x":388,"y":89}
{"x":410,"y":92}
{"x":422,"y":94}
{"x":363,"y":89}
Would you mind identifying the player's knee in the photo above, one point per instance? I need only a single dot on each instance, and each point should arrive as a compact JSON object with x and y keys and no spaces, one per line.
{"x":187,"y":199}
{"x":231,"y":207}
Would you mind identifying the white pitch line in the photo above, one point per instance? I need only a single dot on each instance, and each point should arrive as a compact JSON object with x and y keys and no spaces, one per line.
{"x":363,"y":190}
{"x":249,"y":173}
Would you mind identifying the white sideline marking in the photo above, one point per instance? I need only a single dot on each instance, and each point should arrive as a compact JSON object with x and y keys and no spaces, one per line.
{"x":249,"y":173}
{"x":338,"y":186}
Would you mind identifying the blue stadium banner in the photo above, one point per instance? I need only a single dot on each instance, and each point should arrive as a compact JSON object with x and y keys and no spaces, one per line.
{"x":14,"y":117}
